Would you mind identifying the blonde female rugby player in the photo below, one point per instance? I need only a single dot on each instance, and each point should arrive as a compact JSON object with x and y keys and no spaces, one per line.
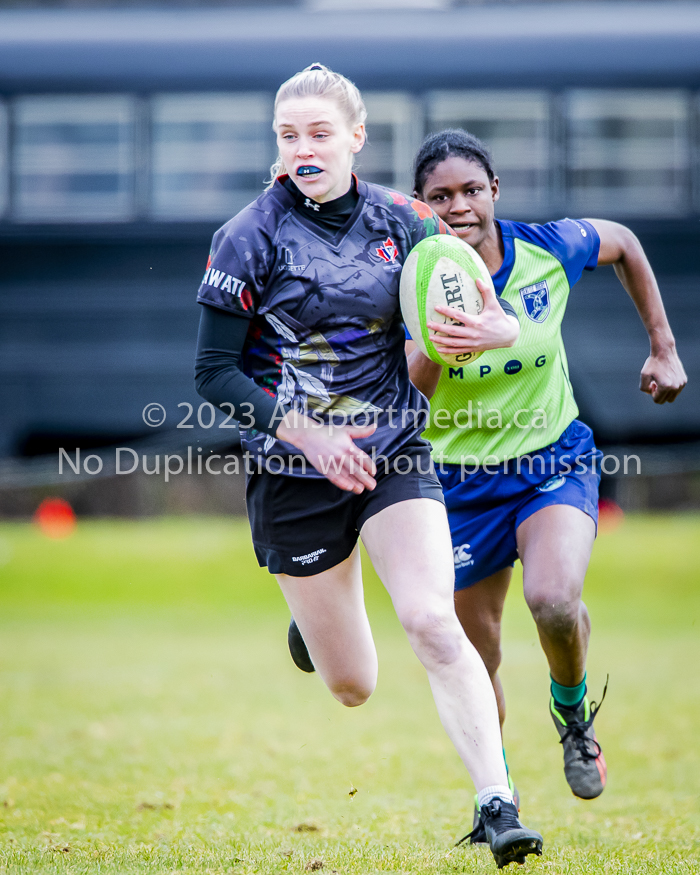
{"x":300,"y":323}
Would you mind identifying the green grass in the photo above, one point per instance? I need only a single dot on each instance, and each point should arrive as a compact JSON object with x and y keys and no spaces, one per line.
{"x":152,"y":721}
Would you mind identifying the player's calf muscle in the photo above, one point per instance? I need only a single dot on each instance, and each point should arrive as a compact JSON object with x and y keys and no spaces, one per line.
{"x":489,"y":649}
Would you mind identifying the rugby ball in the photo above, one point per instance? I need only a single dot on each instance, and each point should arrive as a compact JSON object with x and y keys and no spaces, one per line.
{"x":440,"y":270}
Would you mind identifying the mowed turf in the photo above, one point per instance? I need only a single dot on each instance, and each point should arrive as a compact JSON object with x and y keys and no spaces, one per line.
{"x":152,"y":721}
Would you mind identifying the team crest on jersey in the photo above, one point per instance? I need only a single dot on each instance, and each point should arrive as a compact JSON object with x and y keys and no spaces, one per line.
{"x":536,"y":301}
{"x":387,"y":251}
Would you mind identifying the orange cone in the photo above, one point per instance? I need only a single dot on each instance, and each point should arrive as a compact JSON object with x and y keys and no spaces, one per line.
{"x":610,"y":516}
{"x":55,"y":517}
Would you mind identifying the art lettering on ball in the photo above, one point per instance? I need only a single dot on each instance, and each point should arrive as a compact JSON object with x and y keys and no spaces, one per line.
{"x":441,"y":270}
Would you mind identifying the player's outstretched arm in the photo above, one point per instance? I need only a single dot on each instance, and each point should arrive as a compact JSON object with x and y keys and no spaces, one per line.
{"x":663,"y":375}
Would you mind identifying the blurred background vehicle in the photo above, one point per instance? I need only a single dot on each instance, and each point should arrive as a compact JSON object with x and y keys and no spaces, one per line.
{"x":127,"y":136}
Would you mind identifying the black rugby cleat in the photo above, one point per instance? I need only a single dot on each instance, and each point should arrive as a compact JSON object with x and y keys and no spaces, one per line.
{"x":584,"y":764}
{"x":478,"y":834}
{"x":297,"y":648}
{"x":509,"y":840}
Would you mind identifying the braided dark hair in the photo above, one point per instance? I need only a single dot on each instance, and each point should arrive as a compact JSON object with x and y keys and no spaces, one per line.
{"x":437,"y":148}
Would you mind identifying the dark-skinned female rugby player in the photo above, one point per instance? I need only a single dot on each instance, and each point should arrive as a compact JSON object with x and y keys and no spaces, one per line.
{"x":300,"y":334}
{"x":521,"y":477}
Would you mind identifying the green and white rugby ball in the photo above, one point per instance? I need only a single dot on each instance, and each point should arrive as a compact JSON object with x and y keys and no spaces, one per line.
{"x":441,"y":270}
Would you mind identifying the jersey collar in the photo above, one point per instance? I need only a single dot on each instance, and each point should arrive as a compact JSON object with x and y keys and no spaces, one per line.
{"x":332,"y":240}
{"x":344,"y":204}
{"x":286,"y":198}
{"x":502,"y":275}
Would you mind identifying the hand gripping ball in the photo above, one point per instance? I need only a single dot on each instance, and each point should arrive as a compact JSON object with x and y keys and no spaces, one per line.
{"x":441,"y":270}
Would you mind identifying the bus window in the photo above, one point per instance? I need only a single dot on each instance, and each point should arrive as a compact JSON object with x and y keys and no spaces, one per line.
{"x":628,"y":153}
{"x":73,"y":158}
{"x":394,"y":129}
{"x":210,"y":154}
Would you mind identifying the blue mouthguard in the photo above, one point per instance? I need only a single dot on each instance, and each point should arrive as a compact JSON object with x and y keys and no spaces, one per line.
{"x":308,"y":170}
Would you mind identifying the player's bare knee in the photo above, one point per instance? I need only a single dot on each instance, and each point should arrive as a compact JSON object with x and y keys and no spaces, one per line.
{"x":352,"y":694}
{"x":555,"y":615}
{"x":435,"y":636}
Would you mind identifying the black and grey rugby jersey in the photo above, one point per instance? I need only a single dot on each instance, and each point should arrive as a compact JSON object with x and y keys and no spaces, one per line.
{"x":325,"y":334}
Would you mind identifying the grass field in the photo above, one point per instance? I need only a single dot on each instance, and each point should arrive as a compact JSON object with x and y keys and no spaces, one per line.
{"x":152,"y":721}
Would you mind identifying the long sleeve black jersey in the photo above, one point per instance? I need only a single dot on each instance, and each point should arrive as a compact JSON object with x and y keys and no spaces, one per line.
{"x":325,"y":333}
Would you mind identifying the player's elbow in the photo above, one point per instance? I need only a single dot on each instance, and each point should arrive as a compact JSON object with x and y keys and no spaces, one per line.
{"x":208,"y":374}
{"x":514,"y":324}
{"x":202,"y":377}
{"x":424,"y":373}
{"x":426,"y":387}
{"x":628,"y":242}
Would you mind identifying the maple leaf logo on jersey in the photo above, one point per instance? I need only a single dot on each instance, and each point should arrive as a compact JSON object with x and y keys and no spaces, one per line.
{"x":387,"y":251}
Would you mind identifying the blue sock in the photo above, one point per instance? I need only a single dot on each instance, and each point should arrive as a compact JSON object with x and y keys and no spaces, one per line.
{"x":568,"y":697}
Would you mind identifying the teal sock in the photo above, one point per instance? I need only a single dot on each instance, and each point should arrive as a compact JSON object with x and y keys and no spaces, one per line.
{"x":568,"y":697}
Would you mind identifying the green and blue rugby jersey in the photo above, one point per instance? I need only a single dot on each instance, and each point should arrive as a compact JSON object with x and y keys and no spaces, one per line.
{"x":510,"y":402}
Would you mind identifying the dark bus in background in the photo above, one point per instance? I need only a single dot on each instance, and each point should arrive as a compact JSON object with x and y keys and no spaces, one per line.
{"x":127,"y":137}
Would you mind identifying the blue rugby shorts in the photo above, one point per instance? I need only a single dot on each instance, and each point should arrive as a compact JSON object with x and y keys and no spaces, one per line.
{"x":485,"y":508}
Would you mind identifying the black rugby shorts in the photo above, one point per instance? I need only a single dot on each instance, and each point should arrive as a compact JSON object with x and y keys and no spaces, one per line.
{"x":302,"y":526}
